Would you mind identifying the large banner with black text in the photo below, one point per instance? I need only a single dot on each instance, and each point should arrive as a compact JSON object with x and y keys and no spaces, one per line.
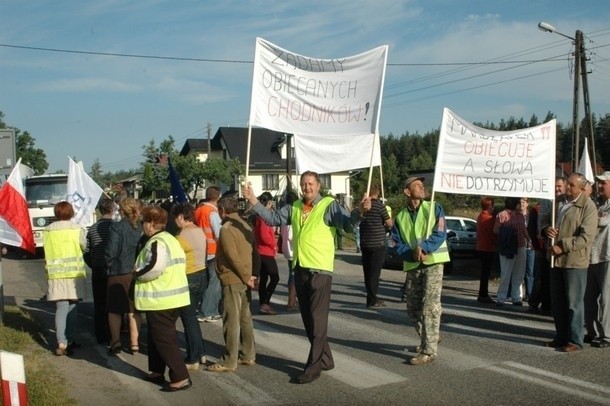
{"x":303,"y":95}
{"x":331,"y":106}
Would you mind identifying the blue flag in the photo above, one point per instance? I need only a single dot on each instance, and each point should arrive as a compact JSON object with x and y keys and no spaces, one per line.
{"x":178,"y":194}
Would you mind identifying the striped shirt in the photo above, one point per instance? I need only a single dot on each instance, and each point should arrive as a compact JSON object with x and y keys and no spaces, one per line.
{"x":600,"y":250}
{"x":372,"y":227}
{"x":97,"y":238}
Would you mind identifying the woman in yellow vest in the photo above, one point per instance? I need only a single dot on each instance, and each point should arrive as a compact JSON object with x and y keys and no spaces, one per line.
{"x":161,"y":291}
{"x":64,"y":243}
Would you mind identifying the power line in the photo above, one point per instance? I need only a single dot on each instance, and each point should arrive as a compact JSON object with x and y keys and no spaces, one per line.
{"x":172,"y":58}
{"x":398,"y":103}
{"x":211,"y":60}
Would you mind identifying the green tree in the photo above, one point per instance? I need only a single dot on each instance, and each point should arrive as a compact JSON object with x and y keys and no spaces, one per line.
{"x":217,"y":170}
{"x":96,"y":172}
{"x":155,"y":181}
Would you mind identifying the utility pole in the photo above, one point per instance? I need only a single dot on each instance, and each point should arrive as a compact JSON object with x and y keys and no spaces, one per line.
{"x":209,"y":129}
{"x":585,"y":93}
{"x":576,"y":96}
{"x":580,"y":71}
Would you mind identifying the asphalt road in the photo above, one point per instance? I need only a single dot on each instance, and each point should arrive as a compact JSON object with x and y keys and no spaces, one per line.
{"x":488,"y":355}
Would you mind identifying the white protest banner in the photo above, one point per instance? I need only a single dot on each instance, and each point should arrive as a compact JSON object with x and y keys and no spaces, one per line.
{"x":474,"y":160}
{"x":83,"y":193}
{"x":336,"y":153}
{"x":304,"y":95}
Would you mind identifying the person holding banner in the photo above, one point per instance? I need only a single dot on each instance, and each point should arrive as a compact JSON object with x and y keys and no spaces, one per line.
{"x":573,"y":235}
{"x":315,"y":220}
{"x":540,"y":301}
{"x":64,"y":243}
{"x":374,"y":225}
{"x":419,"y":237}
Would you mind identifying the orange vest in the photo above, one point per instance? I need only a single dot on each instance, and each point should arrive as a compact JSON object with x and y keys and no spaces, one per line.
{"x":202,"y":219}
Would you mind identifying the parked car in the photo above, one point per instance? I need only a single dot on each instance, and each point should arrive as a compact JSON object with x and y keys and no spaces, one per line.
{"x":461,"y":239}
{"x":461,"y":234}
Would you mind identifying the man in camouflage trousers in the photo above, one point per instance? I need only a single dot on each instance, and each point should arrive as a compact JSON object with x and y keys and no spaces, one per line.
{"x":419,"y":238}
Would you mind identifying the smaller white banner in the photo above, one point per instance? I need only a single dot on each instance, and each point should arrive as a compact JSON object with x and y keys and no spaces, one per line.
{"x":475,"y":160}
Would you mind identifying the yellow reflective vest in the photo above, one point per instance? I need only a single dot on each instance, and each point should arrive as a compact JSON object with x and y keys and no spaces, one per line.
{"x":63,"y":254}
{"x":413,"y":234}
{"x":313,"y":241}
{"x":170,"y":290}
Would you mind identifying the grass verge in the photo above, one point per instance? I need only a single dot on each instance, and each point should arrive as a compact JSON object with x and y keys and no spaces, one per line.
{"x":21,"y":334}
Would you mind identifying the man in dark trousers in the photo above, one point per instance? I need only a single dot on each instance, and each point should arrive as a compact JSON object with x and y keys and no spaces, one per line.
{"x":97,"y":239}
{"x":315,"y":221}
{"x":374,"y":225}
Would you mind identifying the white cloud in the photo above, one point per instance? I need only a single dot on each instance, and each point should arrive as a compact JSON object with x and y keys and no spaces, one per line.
{"x":87,"y":85}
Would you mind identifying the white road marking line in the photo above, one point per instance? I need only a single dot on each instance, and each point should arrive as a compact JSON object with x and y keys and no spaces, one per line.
{"x":239,"y":391}
{"x":509,"y":319}
{"x":558,"y":377}
{"x":604,"y":400}
{"x":348,"y":370}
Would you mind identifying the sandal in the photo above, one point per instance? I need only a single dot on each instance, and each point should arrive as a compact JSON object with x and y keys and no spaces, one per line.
{"x":220,"y":368}
{"x":115,"y":348}
{"x":134,"y":349}
{"x":169,"y":388}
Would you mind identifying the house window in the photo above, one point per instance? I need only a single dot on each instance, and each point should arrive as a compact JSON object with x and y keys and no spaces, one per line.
{"x":325,"y":181}
{"x":271,"y":181}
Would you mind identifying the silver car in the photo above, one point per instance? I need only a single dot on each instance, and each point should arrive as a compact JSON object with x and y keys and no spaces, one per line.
{"x":461,"y":234}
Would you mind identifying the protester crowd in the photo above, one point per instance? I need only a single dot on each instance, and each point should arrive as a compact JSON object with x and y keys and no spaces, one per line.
{"x":554,"y":258}
{"x":161,"y":262}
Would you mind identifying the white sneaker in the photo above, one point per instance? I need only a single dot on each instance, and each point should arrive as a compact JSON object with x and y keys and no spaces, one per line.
{"x":208,"y":319}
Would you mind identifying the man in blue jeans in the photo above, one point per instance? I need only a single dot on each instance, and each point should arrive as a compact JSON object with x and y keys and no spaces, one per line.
{"x":573,"y":233}
{"x":206,"y":217}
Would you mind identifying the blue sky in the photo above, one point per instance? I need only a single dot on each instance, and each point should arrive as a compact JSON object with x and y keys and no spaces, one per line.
{"x":106,"y":107}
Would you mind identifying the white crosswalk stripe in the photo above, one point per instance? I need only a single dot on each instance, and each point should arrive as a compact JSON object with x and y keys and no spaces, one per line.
{"x":348,"y":370}
{"x":547,"y":379}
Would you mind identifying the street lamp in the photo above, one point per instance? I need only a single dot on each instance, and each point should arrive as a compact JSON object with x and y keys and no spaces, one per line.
{"x":580,"y":69}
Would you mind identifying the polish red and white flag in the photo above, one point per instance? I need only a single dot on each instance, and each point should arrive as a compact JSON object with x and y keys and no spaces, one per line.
{"x":15,"y":224}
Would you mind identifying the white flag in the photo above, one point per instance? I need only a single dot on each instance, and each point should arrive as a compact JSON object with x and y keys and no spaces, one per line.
{"x":83,"y":193}
{"x":584,"y":166}
{"x":15,"y":224}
